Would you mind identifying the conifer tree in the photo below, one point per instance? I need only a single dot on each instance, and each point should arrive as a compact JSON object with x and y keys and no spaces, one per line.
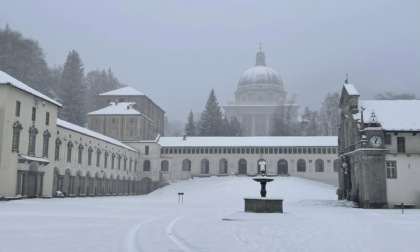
{"x":211,"y":118}
{"x":73,"y":90}
{"x":189,"y":128}
{"x":23,"y":59}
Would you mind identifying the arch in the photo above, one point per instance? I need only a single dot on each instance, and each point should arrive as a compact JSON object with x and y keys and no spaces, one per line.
{"x":33,"y":167}
{"x":319,"y":165}
{"x":78,"y":183}
{"x":146,"y":165}
{"x":223,"y":166}
{"x":164,"y":165}
{"x":242,"y":166}
{"x":145,"y":185}
{"x":205,"y":166}
{"x":57,"y":181}
{"x":261,"y":163}
{"x":186,"y":165}
{"x":301,"y":165}
{"x":66,"y":189}
{"x":282,"y":167}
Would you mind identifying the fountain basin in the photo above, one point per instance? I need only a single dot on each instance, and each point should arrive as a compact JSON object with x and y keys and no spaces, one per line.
{"x":264,"y":205}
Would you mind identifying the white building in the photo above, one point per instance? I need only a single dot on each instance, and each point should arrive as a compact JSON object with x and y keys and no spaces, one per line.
{"x":174,"y":158}
{"x":379,"y":145}
{"x":259,"y":95}
{"x":41,"y":155}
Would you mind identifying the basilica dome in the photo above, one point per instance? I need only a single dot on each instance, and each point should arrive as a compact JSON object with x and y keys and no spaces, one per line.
{"x":260,"y":74}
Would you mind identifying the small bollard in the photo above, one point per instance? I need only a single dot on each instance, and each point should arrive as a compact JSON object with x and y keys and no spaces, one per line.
{"x":402,"y":208}
{"x":181,"y":198}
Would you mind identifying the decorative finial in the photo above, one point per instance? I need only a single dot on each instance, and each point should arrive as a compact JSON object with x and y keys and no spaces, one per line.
{"x":260,"y":57}
{"x":347,"y":79}
{"x":373,"y":118}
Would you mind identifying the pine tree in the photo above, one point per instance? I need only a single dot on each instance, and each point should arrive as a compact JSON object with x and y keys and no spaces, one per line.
{"x":235,"y":126}
{"x":330,"y":114}
{"x":73,"y":90}
{"x":310,"y":123}
{"x":211,"y":118}
{"x":23,"y":59}
{"x":189,"y":128}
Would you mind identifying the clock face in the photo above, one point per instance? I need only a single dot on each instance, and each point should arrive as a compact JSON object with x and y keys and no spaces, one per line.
{"x":375,"y":141}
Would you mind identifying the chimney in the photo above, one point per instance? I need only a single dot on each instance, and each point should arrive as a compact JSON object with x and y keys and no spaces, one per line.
{"x":184,"y":137}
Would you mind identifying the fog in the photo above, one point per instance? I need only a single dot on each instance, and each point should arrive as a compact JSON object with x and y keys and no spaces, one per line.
{"x":177,"y":51}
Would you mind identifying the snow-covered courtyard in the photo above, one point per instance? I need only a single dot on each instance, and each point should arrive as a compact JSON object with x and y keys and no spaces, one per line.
{"x":211,"y":218}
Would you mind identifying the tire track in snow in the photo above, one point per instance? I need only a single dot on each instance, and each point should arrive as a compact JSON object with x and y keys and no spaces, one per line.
{"x":170,"y":233}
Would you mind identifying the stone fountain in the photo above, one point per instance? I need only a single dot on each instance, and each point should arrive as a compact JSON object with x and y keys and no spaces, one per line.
{"x":263,"y":204}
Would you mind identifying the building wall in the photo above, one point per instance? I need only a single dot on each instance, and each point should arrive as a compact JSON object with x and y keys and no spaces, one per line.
{"x":9,"y":160}
{"x":122,"y":127}
{"x":93,"y":170}
{"x":145,"y":105}
{"x":158,"y":154}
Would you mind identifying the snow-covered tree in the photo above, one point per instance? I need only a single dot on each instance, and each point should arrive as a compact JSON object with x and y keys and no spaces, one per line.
{"x":189,"y":128}
{"x":330,"y":114}
{"x":99,"y":81}
{"x":310,"y":123}
{"x":73,"y":90}
{"x":211,"y":118}
{"x":23,"y":59}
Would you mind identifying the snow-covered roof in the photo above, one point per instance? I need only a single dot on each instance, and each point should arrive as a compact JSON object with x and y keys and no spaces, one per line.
{"x":393,"y":115}
{"x":125,"y":91}
{"x":6,"y":79}
{"x":88,"y":132}
{"x":120,"y":108}
{"x":351,"y":90}
{"x":265,"y":141}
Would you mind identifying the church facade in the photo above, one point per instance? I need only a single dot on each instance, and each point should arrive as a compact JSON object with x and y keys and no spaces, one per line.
{"x":379,"y":151}
{"x":260,"y":94}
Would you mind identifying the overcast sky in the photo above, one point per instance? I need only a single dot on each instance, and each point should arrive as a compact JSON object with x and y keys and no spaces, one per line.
{"x":177,"y":51}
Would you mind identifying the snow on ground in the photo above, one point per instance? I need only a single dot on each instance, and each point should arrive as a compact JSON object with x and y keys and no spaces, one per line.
{"x":211,"y":219}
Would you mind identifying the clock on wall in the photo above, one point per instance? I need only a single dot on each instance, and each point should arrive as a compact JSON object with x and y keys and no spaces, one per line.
{"x":375,"y":141}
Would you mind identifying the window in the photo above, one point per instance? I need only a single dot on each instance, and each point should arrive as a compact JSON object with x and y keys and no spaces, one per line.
{"x":17,"y":127}
{"x":319,"y":165}
{"x":186,"y":165}
{"x":17,"y":111}
{"x":146,"y":165}
{"x":98,"y":157}
{"x":57,"y":149}
{"x":146,"y":150}
{"x":391,"y":169}
{"x":400,"y":144}
{"x":164,"y":165}
{"x":125,"y":163}
{"x":47,"y":118}
{"x":106,"y":159}
{"x":32,"y":140}
{"x":45,"y":144}
{"x":388,"y":139}
{"x":80,"y":154}
{"x":33,"y":114}
{"x":131,"y":164}
{"x":69,"y":148}
{"x":301,"y":165}
{"x":90,"y":150}
{"x":119,"y":162}
{"x":135,"y":166}
{"x":112,"y":161}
